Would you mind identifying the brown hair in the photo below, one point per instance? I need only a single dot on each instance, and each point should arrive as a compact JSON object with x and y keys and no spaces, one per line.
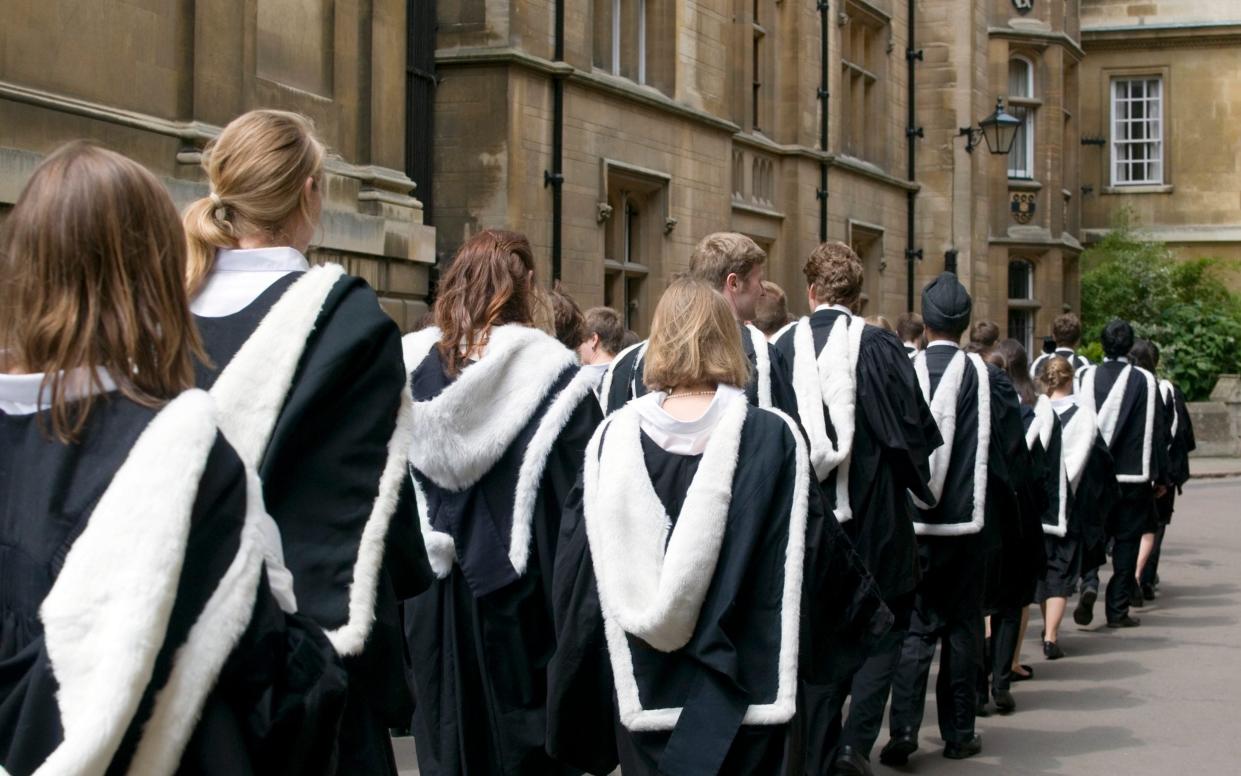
{"x":909,"y":327}
{"x":880,"y":322}
{"x":257,"y":170}
{"x":834,"y":273}
{"x":1017,"y":364}
{"x":722,"y":254}
{"x":1066,"y":330}
{"x":1055,"y":373}
{"x":985,"y":334}
{"x":771,"y":312}
{"x":607,"y":323}
{"x":694,"y":339}
{"x":569,"y":322}
{"x":93,"y":262}
{"x":488,"y":284}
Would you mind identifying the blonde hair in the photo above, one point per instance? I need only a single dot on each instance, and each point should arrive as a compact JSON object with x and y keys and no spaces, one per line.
{"x":257,"y":169}
{"x":694,"y":339}
{"x":722,"y":254}
{"x":93,"y":261}
{"x":834,"y":273}
{"x":1054,"y":373}
{"x":880,"y":322}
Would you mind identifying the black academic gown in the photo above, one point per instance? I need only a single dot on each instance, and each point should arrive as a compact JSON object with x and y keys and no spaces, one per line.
{"x":1024,"y":490}
{"x":1068,"y":354}
{"x":1179,"y":434}
{"x":1138,"y":446}
{"x":481,"y":637}
{"x":1093,"y":492}
{"x":624,"y":378}
{"x":325,"y":477}
{"x":95,"y":625}
{"x":738,"y":716}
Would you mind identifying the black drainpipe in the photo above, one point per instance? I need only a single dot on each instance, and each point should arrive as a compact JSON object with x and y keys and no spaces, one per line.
{"x":555,"y":176}
{"x":821,"y":192}
{"x":912,"y":133}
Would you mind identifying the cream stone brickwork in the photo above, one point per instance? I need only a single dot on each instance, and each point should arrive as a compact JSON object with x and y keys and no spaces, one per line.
{"x":156,"y":80}
{"x":719,"y":128}
{"x":1193,"y":48}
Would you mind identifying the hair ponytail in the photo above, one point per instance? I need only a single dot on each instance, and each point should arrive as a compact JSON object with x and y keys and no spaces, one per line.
{"x":257,"y":169}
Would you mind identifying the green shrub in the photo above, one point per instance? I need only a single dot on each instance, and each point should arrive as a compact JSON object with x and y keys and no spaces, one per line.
{"x":1182,"y":306}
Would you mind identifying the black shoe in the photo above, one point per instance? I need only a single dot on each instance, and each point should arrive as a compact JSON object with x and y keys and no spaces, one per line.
{"x":1125,"y":622}
{"x":981,"y":709}
{"x":1148,"y":592}
{"x":1024,"y":675}
{"x":1004,"y":702}
{"x":1136,"y":601}
{"x":1052,"y":651}
{"x":851,"y":762}
{"x":955,"y":751}
{"x":1084,"y":613}
{"x":902,"y":744}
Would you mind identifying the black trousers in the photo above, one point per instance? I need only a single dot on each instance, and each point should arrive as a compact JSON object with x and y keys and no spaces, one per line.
{"x":1120,"y":586}
{"x":869,"y":693}
{"x":1151,"y":569}
{"x":960,"y":638}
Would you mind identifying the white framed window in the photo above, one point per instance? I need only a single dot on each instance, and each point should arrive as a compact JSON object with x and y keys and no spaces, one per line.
{"x":1137,"y":131}
{"x":1022,"y":104}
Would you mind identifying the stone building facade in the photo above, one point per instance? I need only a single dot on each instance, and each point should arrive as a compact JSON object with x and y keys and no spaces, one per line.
{"x":156,"y":80}
{"x":1164,"y":102}
{"x":683,"y":117}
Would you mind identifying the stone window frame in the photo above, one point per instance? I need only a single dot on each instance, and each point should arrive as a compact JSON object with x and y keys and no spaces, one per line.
{"x":634,"y":209}
{"x":863,"y":79}
{"x":867,"y":241}
{"x":1159,"y":161}
{"x":1023,"y":308}
{"x":635,"y":40}
{"x":1025,"y":107}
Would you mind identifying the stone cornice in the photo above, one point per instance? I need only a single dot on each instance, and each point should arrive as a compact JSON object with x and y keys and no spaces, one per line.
{"x":1038,"y":36}
{"x":1163,"y":36}
{"x":868,"y":170}
{"x":620,"y":87}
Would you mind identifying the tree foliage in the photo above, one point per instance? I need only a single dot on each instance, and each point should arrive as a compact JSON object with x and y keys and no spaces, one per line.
{"x":1182,"y":306}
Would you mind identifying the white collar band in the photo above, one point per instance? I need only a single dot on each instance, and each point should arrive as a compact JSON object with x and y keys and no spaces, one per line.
{"x":19,"y":394}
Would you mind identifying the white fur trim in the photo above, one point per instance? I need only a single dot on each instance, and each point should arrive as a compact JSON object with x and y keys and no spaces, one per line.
{"x":1169,"y":397}
{"x":460,"y":434}
{"x":605,"y":390}
{"x":533,"y":463}
{"x":762,"y":365}
{"x":1041,"y":427}
{"x":348,"y":639}
{"x":214,"y":635}
{"x":107,"y":614}
{"x":252,"y":388}
{"x":829,"y":379}
{"x":603,"y":512}
{"x":1041,"y":431}
{"x":1109,"y":413}
{"x":944,"y":410}
{"x":1077,"y":441}
{"x":785,"y":329}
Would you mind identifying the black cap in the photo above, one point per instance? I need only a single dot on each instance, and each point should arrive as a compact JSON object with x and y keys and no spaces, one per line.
{"x":946,"y":305}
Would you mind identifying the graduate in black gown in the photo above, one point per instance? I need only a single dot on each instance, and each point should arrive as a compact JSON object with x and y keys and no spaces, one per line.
{"x":698,"y":578}
{"x":1124,"y":399}
{"x":138,"y":630}
{"x":1179,"y":433}
{"x":1084,"y":491}
{"x":732,"y":264}
{"x":1066,"y":330}
{"x":502,"y":416}
{"x":870,"y":437}
{"x":960,"y":531}
{"x":306,"y":369}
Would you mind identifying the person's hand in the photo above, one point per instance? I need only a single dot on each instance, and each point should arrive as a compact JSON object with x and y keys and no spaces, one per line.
{"x":1161,"y":491}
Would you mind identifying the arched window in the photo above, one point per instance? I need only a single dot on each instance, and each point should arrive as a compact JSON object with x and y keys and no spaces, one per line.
{"x":1022,"y":103}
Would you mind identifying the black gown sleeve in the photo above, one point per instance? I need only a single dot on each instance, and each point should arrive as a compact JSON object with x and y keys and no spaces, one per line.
{"x":1161,"y":470}
{"x":782,"y":396}
{"x":620,"y":390}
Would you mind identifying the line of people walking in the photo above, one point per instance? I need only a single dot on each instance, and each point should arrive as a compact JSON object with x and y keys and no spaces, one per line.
{"x":247,"y":527}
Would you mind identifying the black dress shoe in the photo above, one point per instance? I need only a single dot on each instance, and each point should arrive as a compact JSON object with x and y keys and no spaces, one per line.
{"x":1084,"y":613}
{"x":1148,"y":592}
{"x":902,"y":744}
{"x":851,"y":762}
{"x":1052,"y":651}
{"x":955,"y":751}
{"x":1004,"y":702}
{"x":1125,"y":622}
{"x":981,"y":709}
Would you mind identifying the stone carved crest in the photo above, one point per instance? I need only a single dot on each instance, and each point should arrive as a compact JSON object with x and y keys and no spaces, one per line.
{"x":1023,"y":206}
{"x":1023,"y":6}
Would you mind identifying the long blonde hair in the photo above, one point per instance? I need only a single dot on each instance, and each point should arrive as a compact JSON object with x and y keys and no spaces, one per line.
{"x":694,"y":340}
{"x":93,"y":260}
{"x":257,"y":169}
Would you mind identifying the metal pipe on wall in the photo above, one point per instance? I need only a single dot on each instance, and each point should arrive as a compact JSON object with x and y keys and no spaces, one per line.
{"x":821,"y":192}
{"x":555,"y":177}
{"x":912,"y":133}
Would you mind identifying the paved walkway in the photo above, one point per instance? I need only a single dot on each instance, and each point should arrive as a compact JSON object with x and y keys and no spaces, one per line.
{"x":1211,"y":468}
{"x":1160,"y":699}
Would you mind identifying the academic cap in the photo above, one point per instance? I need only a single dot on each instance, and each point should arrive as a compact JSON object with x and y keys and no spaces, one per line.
{"x":946,"y":304}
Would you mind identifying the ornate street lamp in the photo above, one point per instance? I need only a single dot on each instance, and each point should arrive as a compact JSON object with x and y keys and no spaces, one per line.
{"x":999,"y":130}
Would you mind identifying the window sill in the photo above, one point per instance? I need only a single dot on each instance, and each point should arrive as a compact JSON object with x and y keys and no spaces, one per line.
{"x":1147,"y":189}
{"x":1024,"y":184}
{"x":1024,"y":304}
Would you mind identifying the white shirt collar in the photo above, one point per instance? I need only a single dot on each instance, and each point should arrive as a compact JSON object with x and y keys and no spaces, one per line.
{"x":19,"y":394}
{"x":277,"y":259}
{"x":942,"y":344}
{"x":1121,"y":359}
{"x":681,"y":437}
{"x":1063,"y":403}
{"x":840,"y":308}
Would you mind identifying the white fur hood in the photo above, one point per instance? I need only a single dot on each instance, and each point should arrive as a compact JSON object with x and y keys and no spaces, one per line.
{"x":460,"y":434}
